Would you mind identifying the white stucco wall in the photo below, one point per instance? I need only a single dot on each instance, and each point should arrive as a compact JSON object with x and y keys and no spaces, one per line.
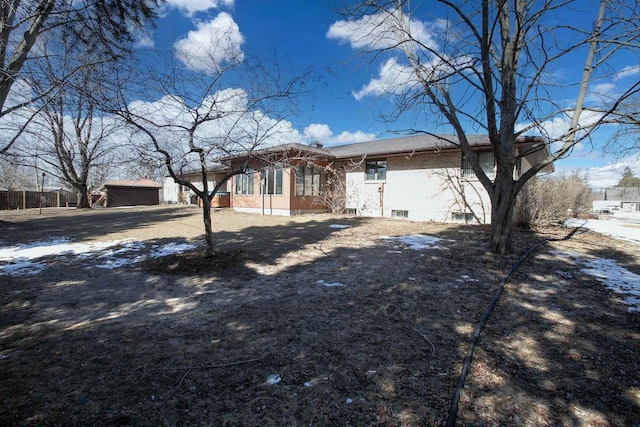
{"x":429,"y":187}
{"x":171,"y":190}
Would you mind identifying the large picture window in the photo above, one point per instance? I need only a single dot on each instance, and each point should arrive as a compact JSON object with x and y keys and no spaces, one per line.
{"x":244,"y":183}
{"x":309,"y":181}
{"x":376,"y":170}
{"x":487,"y":163}
{"x":271,"y":181}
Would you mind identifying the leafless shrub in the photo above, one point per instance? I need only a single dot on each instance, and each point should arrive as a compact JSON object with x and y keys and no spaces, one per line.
{"x":334,"y":193}
{"x":544,"y":201}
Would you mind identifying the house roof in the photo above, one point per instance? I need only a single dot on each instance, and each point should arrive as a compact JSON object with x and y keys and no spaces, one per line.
{"x":141,"y":183}
{"x":403,"y":145}
{"x":420,"y":143}
{"x":296,"y":148}
{"x":412,"y":144}
{"x":214,"y":168}
{"x":623,"y":194}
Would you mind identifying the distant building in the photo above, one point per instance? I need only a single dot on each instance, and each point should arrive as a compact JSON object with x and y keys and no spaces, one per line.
{"x":141,"y":192}
{"x":618,"y":199}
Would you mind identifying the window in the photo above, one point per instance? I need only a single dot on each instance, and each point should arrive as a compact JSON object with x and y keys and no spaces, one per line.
{"x":244,"y":183}
{"x":487,"y":163}
{"x":271,"y":181}
{"x":350,"y":211}
{"x":400,"y":214}
{"x":462,"y":217}
{"x":376,"y":170}
{"x":309,"y":181}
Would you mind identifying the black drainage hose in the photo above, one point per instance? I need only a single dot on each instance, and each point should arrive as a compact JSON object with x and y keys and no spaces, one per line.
{"x":455,"y":398}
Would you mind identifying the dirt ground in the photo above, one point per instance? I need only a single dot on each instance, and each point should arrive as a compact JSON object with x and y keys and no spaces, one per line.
{"x":255,"y":337}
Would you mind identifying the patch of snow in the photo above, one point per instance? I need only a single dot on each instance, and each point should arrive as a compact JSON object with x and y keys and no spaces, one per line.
{"x":330,"y":285}
{"x":466,"y":278}
{"x":273,"y":379}
{"x":61,"y":246}
{"x":417,"y":241}
{"x":618,"y":229}
{"x":308,"y":384}
{"x":127,"y":246}
{"x":18,"y":260}
{"x":348,"y":401}
{"x":617,"y":278}
{"x":171,"y":248}
{"x":339,"y":226}
{"x":112,"y":264}
{"x":22,"y":267}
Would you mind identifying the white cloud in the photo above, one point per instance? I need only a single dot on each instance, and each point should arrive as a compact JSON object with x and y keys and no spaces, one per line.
{"x":558,"y":127}
{"x":318,"y":132}
{"x":190,"y":7}
{"x":610,"y":174}
{"x":144,"y":40}
{"x":602,"y":93}
{"x":352,"y":137}
{"x":380,"y":30}
{"x":629,"y":71}
{"x":212,"y":45}
{"x":392,"y":78}
{"x":323,"y":134}
{"x":236,"y":128}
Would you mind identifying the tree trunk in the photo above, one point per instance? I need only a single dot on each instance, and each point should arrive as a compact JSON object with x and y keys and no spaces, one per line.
{"x":83,"y":197}
{"x":502,"y":205}
{"x":208,"y":233}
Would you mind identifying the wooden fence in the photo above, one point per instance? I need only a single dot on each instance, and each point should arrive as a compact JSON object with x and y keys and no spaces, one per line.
{"x":31,"y":199}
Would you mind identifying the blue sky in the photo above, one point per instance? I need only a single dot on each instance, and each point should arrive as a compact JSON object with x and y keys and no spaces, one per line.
{"x":298,"y":31}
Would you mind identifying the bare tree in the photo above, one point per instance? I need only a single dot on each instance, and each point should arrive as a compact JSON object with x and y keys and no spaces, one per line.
{"x":13,"y":176}
{"x":196,"y":119}
{"x":627,"y":138}
{"x":103,"y":26}
{"x":490,"y":66}
{"x":74,"y":134}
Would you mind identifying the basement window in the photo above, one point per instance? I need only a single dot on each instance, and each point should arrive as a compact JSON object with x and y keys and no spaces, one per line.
{"x":399,"y":214}
{"x":462,"y":217}
{"x":351,"y":211}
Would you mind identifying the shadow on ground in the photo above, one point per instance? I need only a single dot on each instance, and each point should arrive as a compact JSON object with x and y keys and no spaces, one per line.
{"x":316,"y":325}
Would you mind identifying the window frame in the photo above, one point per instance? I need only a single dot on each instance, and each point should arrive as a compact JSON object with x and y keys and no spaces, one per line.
{"x":484,"y":157}
{"x":400,"y":213}
{"x":271,"y":181}
{"x":466,"y":217}
{"x":244,"y":183}
{"x":377,"y":166}
{"x":309,"y":181}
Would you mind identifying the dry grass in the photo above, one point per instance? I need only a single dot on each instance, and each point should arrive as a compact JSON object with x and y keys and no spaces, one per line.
{"x":186,"y":340}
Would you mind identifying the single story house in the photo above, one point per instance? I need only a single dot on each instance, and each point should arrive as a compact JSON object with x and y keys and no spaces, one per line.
{"x":128,"y":193}
{"x":420,"y":177}
{"x":618,"y":199}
